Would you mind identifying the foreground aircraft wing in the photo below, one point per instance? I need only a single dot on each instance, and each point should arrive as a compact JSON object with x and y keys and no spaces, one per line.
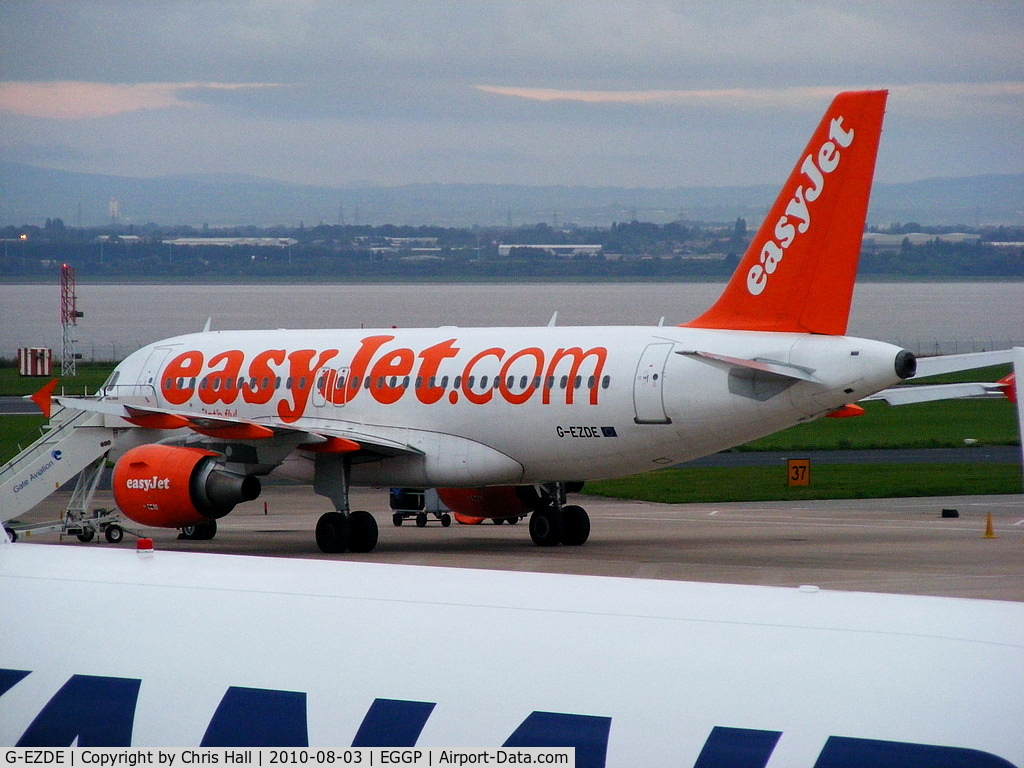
{"x":626,"y":671}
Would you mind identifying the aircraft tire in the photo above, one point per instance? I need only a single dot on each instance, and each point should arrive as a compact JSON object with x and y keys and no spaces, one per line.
{"x":575,"y":526}
{"x":200,"y":532}
{"x":11,"y":534}
{"x":362,"y":531}
{"x":546,"y":527}
{"x":114,"y":534}
{"x":332,"y":534}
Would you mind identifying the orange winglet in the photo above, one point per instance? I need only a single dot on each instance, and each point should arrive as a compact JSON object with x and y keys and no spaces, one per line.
{"x":236,"y":431}
{"x":43,"y":397}
{"x":1008,"y":385}
{"x":332,"y":445}
{"x":151,"y":420}
{"x":846,"y":412}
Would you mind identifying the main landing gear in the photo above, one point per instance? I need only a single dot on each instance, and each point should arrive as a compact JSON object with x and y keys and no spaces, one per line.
{"x":341,"y":530}
{"x":554,"y":522}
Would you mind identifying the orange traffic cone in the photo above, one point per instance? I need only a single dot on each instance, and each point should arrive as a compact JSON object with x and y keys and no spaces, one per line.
{"x":989,"y":533}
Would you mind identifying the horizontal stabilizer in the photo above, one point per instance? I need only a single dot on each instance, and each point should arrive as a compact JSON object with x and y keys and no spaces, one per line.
{"x":927,"y":393}
{"x":933,"y":366}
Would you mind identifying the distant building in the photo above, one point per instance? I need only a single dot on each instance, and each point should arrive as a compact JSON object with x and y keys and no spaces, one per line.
{"x":554,"y":250}
{"x":880,"y":240}
{"x":262,"y":242}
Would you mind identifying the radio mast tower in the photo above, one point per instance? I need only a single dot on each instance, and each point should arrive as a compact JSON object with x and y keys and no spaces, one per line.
{"x":69,"y":315}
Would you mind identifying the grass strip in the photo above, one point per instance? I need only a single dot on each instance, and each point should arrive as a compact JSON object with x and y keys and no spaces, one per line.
{"x":681,"y":485}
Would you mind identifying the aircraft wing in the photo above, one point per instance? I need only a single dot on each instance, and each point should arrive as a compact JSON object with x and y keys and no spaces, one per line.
{"x":340,"y":438}
{"x":726,"y":674}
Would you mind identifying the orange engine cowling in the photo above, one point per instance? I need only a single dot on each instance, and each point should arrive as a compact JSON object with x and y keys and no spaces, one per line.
{"x":474,"y":505}
{"x":170,"y":487}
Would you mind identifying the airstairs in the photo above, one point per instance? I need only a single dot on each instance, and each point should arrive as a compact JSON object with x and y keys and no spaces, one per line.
{"x":73,"y":441}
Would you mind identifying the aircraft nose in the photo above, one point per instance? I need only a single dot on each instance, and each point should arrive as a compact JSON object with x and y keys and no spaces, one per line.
{"x":906,"y":364}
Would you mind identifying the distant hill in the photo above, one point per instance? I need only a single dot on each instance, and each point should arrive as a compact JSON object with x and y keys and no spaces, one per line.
{"x":30,"y":195}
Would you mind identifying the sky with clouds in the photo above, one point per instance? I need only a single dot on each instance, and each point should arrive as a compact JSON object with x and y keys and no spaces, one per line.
{"x":640,"y":94}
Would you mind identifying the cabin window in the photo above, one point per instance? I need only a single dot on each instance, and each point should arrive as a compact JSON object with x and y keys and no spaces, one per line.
{"x":605,"y":382}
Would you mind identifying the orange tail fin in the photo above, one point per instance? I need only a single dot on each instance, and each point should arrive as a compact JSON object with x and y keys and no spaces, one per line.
{"x":798,"y":273}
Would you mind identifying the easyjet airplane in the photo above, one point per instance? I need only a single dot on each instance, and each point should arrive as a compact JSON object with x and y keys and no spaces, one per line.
{"x":507,"y":421}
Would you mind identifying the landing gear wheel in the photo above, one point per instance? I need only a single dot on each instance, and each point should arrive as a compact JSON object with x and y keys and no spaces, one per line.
{"x":87,"y":535}
{"x":332,"y":532}
{"x":114,"y":534}
{"x":11,"y":534}
{"x":200,"y":532}
{"x":421,"y":519}
{"x":497,"y":520}
{"x":575,"y":525}
{"x":397,"y":519}
{"x":362,"y":532}
{"x":446,"y":520}
{"x":511,"y":520}
{"x":546,"y":527}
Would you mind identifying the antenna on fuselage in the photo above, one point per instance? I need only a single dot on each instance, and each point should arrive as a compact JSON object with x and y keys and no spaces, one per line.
{"x":206,"y":328}
{"x":554,"y":317}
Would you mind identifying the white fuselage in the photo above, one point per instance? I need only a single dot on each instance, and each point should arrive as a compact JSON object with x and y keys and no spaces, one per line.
{"x":486,"y":406}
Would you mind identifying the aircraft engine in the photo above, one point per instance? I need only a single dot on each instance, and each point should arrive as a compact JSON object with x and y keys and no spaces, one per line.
{"x":502,"y":502}
{"x":173,"y":487}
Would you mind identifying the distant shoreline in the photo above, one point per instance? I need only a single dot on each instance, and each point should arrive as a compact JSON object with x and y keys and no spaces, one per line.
{"x":478,"y":280}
